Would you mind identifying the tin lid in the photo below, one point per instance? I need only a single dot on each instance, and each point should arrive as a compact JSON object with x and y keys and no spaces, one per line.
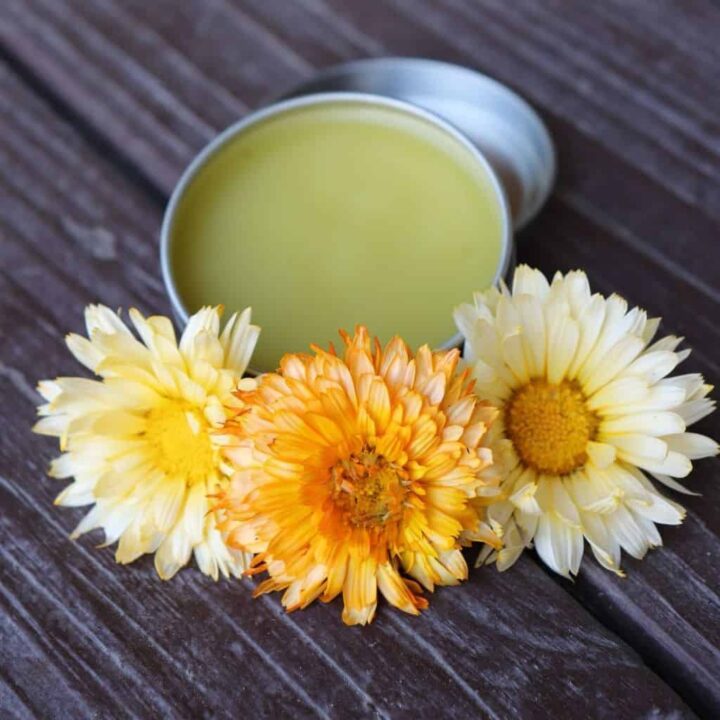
{"x":497,"y":120}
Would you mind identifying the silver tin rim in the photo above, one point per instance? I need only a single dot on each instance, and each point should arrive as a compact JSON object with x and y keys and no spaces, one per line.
{"x":214,"y":146}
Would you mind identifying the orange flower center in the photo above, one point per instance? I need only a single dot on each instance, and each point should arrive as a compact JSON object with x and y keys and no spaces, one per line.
{"x":550,"y":426}
{"x":368,"y":489}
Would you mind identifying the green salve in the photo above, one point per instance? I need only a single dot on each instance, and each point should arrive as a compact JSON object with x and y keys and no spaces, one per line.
{"x":330,"y":215}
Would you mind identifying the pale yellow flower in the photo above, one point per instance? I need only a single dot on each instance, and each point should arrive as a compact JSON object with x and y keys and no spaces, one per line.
{"x":353,"y":469}
{"x":142,"y":443}
{"x":588,"y":410}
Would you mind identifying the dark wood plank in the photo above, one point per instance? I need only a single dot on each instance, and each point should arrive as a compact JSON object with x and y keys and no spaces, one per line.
{"x":88,"y":637}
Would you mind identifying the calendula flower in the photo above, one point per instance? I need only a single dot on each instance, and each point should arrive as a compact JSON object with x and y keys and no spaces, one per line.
{"x":587,"y":411}
{"x":352,"y":469}
{"x":142,"y":443}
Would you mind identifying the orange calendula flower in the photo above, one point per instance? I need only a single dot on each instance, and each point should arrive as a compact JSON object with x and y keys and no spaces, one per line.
{"x":350,"y":469}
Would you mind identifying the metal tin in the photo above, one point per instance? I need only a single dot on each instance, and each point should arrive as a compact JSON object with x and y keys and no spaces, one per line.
{"x":508,"y":132}
{"x":216,"y":146}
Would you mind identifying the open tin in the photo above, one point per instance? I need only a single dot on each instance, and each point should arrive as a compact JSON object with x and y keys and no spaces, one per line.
{"x":502,"y":132}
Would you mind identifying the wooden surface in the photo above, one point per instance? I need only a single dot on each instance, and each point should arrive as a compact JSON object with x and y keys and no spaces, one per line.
{"x":102,"y":104}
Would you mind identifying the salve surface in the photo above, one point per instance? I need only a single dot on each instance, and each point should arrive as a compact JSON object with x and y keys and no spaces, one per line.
{"x":336,"y":214}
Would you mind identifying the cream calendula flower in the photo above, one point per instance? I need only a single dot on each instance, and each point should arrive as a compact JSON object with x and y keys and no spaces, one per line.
{"x":142,"y":443}
{"x":588,"y":410}
{"x":353,"y":469}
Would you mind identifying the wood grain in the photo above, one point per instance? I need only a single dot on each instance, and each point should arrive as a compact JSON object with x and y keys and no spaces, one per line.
{"x":629,"y":92}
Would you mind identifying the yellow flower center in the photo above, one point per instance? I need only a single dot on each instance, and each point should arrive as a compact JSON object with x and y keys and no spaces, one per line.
{"x":368,"y":489}
{"x":178,"y":437}
{"x":550,"y":426}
